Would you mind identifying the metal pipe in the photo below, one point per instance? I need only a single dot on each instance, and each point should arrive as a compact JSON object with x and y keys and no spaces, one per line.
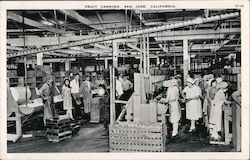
{"x":144,"y":55}
{"x":111,"y":95}
{"x":148,"y":59}
{"x":58,"y":36}
{"x":120,"y":101}
{"x":25,"y":63}
{"x":128,"y":34}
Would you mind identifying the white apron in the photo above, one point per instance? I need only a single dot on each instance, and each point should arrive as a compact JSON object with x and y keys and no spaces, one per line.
{"x":67,"y":99}
{"x":175,"y":112}
{"x":87,"y":105}
{"x":193,"y":107}
{"x":215,"y":117}
{"x":193,"y":110}
{"x":174,"y":107}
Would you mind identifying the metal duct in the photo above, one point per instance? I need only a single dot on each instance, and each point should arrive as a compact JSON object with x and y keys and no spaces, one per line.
{"x":128,"y":34}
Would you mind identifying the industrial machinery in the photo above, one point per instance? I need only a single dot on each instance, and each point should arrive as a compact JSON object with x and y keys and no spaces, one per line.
{"x":19,"y":104}
{"x":145,"y":127}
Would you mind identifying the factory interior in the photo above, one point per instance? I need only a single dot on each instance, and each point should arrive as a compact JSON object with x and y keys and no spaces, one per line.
{"x":101,"y":80}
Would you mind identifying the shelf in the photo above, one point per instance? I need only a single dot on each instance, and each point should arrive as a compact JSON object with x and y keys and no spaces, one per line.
{"x":14,"y":83}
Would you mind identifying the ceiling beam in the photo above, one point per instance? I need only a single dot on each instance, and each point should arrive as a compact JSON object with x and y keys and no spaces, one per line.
{"x":100,"y":19}
{"x":60,"y":60}
{"x":134,"y":47}
{"x":195,"y":47}
{"x":57,"y":54}
{"x":159,"y":36}
{"x":47,"y":60}
{"x":32,"y":23}
{"x":46,"y":41}
{"x":102,"y":47}
{"x":15,"y":48}
{"x":76,"y":16}
{"x":21,"y":30}
{"x":223,"y":43}
{"x":128,"y":34}
{"x":163,"y":47}
{"x":73,"y":52}
{"x":141,"y":18}
{"x":92,"y":51}
{"x":190,"y":37}
{"x":196,"y":32}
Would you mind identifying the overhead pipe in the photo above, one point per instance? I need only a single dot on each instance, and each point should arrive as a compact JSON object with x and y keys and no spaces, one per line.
{"x":128,"y":34}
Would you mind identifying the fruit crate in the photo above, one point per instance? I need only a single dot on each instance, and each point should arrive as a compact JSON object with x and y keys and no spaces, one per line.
{"x":53,"y":137}
{"x":58,"y":129}
{"x":137,"y":137}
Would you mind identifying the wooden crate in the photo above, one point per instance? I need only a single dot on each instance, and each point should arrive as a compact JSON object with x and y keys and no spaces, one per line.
{"x":59,"y":137}
{"x":58,"y":129}
{"x":95,"y":110}
{"x":137,"y":137}
{"x":56,"y":123}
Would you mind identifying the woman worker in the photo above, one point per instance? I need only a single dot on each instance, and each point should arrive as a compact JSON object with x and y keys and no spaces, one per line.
{"x":192,"y":95}
{"x":215,"y":117}
{"x":67,"y":99}
{"x":174,"y":107}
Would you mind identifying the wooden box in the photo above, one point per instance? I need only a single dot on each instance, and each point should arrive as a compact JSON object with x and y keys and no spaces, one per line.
{"x":58,"y":129}
{"x":137,"y":137}
{"x":53,"y":137}
{"x":95,"y":110}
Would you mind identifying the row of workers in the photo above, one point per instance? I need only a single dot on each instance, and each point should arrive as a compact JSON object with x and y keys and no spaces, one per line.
{"x":203,"y":98}
{"x":76,"y":96}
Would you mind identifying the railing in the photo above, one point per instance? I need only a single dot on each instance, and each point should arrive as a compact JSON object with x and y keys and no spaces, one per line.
{"x":128,"y":106}
{"x":232,"y":119}
{"x":236,"y":118}
{"x":227,"y":109}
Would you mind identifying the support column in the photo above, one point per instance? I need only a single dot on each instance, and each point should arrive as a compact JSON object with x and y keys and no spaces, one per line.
{"x":106,"y":63}
{"x":186,"y":60}
{"x":39,"y":59}
{"x":112,"y":82}
{"x":144,"y":55}
{"x":115,"y":54}
{"x":148,"y":57}
{"x":67,"y":65}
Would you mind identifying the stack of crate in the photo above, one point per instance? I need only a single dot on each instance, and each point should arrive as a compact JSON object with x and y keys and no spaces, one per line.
{"x":74,"y":127}
{"x":58,"y":129}
{"x":95,"y":110}
{"x":145,"y":129}
{"x":137,"y":137}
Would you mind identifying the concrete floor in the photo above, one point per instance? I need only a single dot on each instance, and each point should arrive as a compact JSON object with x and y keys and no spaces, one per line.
{"x":90,"y":138}
{"x":94,"y":138}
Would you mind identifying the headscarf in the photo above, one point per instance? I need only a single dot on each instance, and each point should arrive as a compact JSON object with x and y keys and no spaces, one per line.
{"x":205,"y":78}
{"x":167,"y":83}
{"x":222,"y":85}
{"x":190,"y":80}
{"x":174,"y":82}
{"x":177,"y":76}
{"x":219,"y":80}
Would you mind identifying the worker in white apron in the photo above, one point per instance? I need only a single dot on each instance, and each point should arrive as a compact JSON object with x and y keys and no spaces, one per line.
{"x":215,"y":117}
{"x":47,"y":93}
{"x":174,"y":106}
{"x":86,"y":89}
{"x":192,"y":94}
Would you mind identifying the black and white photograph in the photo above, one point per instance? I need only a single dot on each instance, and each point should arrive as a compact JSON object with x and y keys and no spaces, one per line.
{"x":107,"y":78}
